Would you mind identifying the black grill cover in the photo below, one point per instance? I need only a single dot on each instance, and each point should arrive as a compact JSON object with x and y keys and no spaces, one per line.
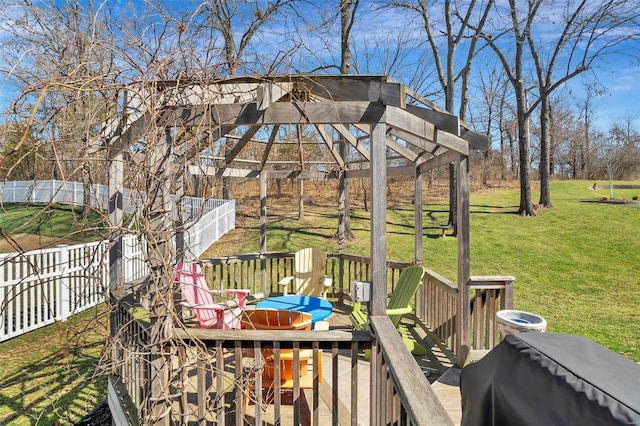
{"x":550,"y":379}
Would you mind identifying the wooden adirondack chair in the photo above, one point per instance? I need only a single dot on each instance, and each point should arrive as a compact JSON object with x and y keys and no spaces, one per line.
{"x":212,"y":308}
{"x":399,"y":304}
{"x":308,"y":275}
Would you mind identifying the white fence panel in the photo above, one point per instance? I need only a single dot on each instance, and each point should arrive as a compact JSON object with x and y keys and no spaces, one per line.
{"x":210,"y":228}
{"x":40,"y":287}
{"x":134,"y":264}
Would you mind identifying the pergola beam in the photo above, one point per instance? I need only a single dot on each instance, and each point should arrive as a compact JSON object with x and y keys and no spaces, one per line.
{"x":417,"y":126}
{"x":241,"y":144}
{"x":404,"y":151}
{"x":267,"y":150}
{"x":324,"y":134}
{"x":353,"y":141}
{"x":277,"y":113}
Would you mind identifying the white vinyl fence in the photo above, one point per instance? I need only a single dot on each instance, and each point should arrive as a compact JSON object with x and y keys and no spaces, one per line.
{"x":58,"y":191}
{"x":43,"y":286}
{"x":40,"y":287}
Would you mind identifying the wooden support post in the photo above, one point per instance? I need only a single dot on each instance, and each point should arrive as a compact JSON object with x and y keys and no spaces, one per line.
{"x":377,"y":305}
{"x":160,"y":258}
{"x":378,"y":219}
{"x":263,"y":232}
{"x":181,"y":247}
{"x":179,"y":205}
{"x":463,"y":332}
{"x":159,"y":208}
{"x":418,"y":203}
{"x":116,"y":189}
{"x":342,"y":187}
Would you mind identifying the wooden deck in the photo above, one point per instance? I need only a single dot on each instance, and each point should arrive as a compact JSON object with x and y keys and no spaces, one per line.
{"x":437,"y":366}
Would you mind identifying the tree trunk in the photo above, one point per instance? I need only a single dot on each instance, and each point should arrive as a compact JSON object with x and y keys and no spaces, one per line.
{"x":364,"y":195}
{"x":300,"y":199}
{"x":86,"y":188}
{"x":545,"y":142}
{"x":347,"y":16}
{"x":526,"y":205}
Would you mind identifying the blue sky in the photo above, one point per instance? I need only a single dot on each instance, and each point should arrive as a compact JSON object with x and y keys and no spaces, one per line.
{"x":377,"y":30}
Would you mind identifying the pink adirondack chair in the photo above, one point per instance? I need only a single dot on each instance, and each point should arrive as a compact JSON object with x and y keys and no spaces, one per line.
{"x":220,"y":309}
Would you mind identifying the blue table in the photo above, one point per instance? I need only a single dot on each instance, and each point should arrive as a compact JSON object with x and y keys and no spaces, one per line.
{"x":318,"y":308}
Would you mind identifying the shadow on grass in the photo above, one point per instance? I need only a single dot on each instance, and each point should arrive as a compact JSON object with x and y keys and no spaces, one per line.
{"x":40,"y":385}
{"x":493,"y":209}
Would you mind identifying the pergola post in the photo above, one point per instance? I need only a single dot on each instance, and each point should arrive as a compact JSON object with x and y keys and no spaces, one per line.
{"x":160,"y":257}
{"x":378,"y":219}
{"x":263,"y":231}
{"x":378,"y":243}
{"x":116,"y":189}
{"x":418,"y":204}
{"x":179,"y":204}
{"x":463,"y":324}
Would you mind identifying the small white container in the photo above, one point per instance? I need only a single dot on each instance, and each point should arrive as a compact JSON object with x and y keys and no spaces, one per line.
{"x":512,"y":321}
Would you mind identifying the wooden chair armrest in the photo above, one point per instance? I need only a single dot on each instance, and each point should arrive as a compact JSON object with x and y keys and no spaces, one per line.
{"x":327,"y":281}
{"x":285,"y":281}
{"x":214,"y":307}
{"x":399,"y":311}
{"x":254,"y":298}
{"x":240,"y":293}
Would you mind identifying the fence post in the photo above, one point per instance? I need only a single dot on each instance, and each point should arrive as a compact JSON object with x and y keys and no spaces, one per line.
{"x":64,"y":292}
{"x":127,"y":257}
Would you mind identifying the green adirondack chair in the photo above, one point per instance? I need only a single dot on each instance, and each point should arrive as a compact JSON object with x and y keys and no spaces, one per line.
{"x":397,"y":306}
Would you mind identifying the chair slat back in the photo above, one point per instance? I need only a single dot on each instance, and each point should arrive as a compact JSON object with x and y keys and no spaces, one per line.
{"x":408,"y":283}
{"x":309,"y":265}
{"x":193,"y":286}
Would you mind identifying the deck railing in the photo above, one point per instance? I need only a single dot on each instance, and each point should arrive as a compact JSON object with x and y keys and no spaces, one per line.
{"x":489,"y":295}
{"x":437,"y":307}
{"x":211,"y":365}
{"x":436,"y":302}
{"x":402,"y":393}
{"x":216,"y":377}
{"x":261,"y":273}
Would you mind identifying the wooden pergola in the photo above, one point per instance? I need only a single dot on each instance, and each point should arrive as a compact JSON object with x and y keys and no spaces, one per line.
{"x":296,"y":127}
{"x":270,"y":124}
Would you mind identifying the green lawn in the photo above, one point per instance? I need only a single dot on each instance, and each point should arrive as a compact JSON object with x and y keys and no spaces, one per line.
{"x":47,"y":376}
{"x":53,"y":220}
{"x":577,"y":264}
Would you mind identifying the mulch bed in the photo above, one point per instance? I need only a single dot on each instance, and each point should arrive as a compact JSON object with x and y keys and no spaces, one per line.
{"x":101,"y":416}
{"x":613,"y":201}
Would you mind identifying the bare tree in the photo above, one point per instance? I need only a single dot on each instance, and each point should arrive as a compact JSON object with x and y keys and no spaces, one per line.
{"x":230,"y":19}
{"x":462,"y":26}
{"x":518,"y":27}
{"x":348,"y":9}
{"x":45,"y":67}
{"x":625,"y":135}
{"x":492,"y":113}
{"x":588,"y":31}
{"x":588,"y":108}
